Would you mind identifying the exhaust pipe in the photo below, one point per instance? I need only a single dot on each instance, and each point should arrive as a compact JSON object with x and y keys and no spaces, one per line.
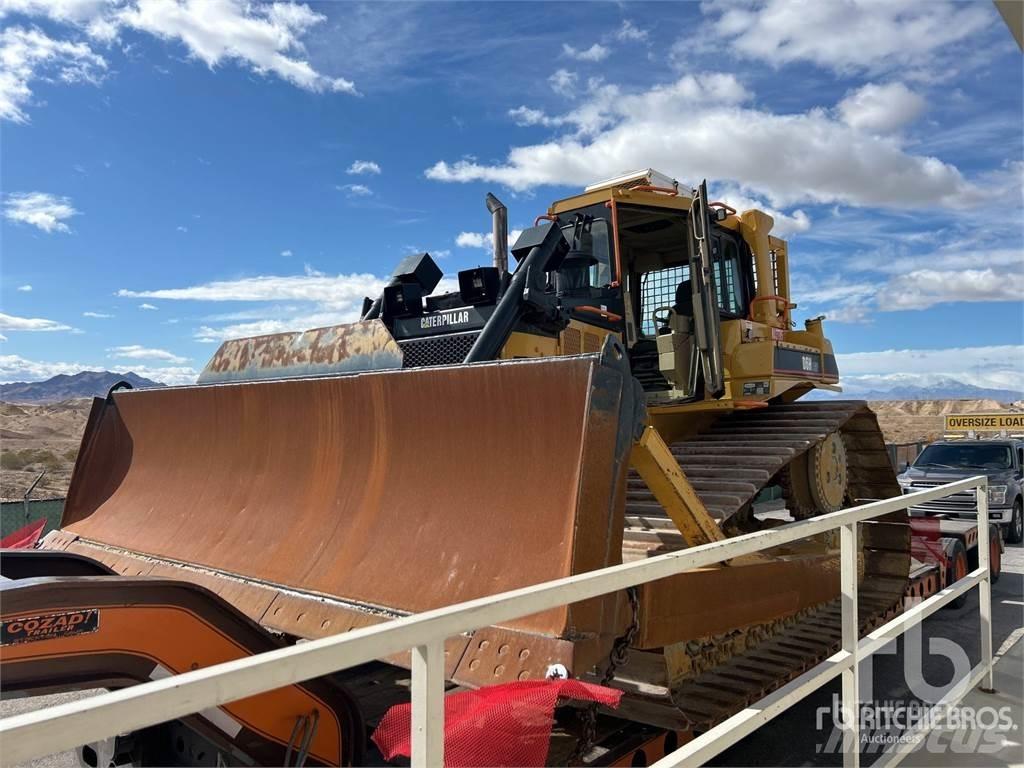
{"x":499,"y":233}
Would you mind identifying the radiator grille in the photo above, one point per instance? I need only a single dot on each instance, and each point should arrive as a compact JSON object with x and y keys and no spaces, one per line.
{"x":448,"y":349}
{"x":592,"y":342}
{"x":962,"y":501}
{"x":571,"y":344}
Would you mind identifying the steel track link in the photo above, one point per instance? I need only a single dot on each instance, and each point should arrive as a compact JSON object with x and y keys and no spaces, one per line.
{"x":729,"y":464}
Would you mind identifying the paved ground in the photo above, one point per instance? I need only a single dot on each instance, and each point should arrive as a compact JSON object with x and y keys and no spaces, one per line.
{"x":802,"y":735}
{"x":796,"y":738}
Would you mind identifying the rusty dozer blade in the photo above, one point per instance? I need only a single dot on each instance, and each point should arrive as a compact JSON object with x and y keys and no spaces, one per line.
{"x":316,"y":505}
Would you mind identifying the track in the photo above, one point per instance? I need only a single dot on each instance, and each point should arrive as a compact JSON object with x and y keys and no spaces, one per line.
{"x":728,"y":465}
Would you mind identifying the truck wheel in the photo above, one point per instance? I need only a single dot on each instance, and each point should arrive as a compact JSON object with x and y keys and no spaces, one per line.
{"x":956,"y":569}
{"x":1015,"y":530}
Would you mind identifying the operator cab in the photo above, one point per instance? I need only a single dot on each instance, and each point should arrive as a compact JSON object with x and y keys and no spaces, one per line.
{"x":652,"y":303}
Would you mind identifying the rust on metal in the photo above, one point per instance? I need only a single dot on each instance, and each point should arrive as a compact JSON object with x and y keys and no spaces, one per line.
{"x":352,"y":499}
{"x":362,"y":346}
{"x":678,"y":608}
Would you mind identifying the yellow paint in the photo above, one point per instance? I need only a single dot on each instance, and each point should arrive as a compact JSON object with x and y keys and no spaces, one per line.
{"x":654,"y":461}
{"x":984,"y":422}
{"x":748,"y":345}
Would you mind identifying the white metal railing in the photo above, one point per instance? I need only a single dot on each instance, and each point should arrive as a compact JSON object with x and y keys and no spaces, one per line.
{"x":35,"y":734}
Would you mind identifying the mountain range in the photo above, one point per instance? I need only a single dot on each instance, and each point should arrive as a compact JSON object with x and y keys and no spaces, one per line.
{"x":96,"y":384}
{"x":65,"y":387}
{"x":941,"y":389}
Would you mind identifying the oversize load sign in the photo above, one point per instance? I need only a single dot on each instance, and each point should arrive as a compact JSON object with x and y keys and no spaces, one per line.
{"x":994,"y":422}
{"x":25,"y":629}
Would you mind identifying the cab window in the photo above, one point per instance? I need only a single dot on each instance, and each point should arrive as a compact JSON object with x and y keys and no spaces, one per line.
{"x":728,"y":276}
{"x":596,"y":241}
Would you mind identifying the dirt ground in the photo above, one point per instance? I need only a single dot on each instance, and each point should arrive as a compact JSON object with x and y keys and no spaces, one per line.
{"x":910,"y":421}
{"x":38,"y":437}
{"x":34,"y":438}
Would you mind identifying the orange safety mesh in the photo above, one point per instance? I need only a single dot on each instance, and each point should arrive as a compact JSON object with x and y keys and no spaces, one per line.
{"x":499,"y":725}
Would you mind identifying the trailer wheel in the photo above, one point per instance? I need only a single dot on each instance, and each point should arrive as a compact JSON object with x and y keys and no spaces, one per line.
{"x":956,"y":569}
{"x":1015,"y":530}
{"x":995,"y":559}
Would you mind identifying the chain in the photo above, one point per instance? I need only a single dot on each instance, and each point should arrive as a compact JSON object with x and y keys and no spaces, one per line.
{"x":618,"y":656}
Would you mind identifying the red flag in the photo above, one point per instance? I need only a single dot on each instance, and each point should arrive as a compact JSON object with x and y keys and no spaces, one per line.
{"x":500,"y":725}
{"x":24,"y":538}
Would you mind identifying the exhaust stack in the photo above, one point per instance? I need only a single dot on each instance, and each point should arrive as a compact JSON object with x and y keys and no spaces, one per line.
{"x":499,"y":232}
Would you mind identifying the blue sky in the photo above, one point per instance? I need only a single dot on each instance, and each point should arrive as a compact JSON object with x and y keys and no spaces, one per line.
{"x":179,"y":172}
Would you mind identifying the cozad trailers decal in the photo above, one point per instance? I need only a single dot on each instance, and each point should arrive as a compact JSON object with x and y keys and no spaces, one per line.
{"x":26,"y":629}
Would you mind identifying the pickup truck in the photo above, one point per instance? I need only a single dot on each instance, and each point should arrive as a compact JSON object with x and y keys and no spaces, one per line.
{"x":948,"y":460}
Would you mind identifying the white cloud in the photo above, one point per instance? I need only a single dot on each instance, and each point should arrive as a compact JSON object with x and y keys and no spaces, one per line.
{"x":101,"y":315}
{"x":68,"y":11}
{"x":139,"y":352}
{"x":924,"y":288}
{"x":596,"y":52}
{"x":361,"y":167}
{"x":13,"y":323}
{"x":148,"y":307}
{"x":27,"y":55}
{"x":971,"y":253}
{"x":333,"y":300}
{"x":25,"y":288}
{"x":484,"y":240}
{"x":988,"y":366}
{"x":40,"y":209}
{"x":341,"y":290}
{"x":286,"y":252}
{"x":785,"y":223}
{"x":166,"y":374}
{"x":680,"y":128}
{"x":16,"y":368}
{"x":298,"y":322}
{"x":267,"y":38}
{"x":524,"y":116}
{"x":563,"y":82}
{"x":881,"y":108}
{"x":629,"y":32}
{"x":847,"y":35}
{"x":355,"y":190}
{"x":181,"y":228}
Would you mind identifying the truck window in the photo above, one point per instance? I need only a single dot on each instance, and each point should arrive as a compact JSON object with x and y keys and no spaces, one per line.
{"x":965,"y":456}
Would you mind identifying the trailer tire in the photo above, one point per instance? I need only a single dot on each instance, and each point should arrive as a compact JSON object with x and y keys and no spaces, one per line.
{"x":956,"y":569}
{"x":1015,"y":530}
{"x":995,"y":558}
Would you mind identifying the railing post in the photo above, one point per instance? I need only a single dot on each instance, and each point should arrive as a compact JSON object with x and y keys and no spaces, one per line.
{"x":428,"y":705}
{"x":985,"y":585}
{"x":851,"y":688}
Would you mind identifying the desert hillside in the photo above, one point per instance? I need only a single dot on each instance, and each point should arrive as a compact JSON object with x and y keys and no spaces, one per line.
{"x":910,"y":421}
{"x":38,"y":437}
{"x":34,"y":438}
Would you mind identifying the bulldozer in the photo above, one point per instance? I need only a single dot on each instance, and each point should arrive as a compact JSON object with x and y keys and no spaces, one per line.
{"x":630,"y":388}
